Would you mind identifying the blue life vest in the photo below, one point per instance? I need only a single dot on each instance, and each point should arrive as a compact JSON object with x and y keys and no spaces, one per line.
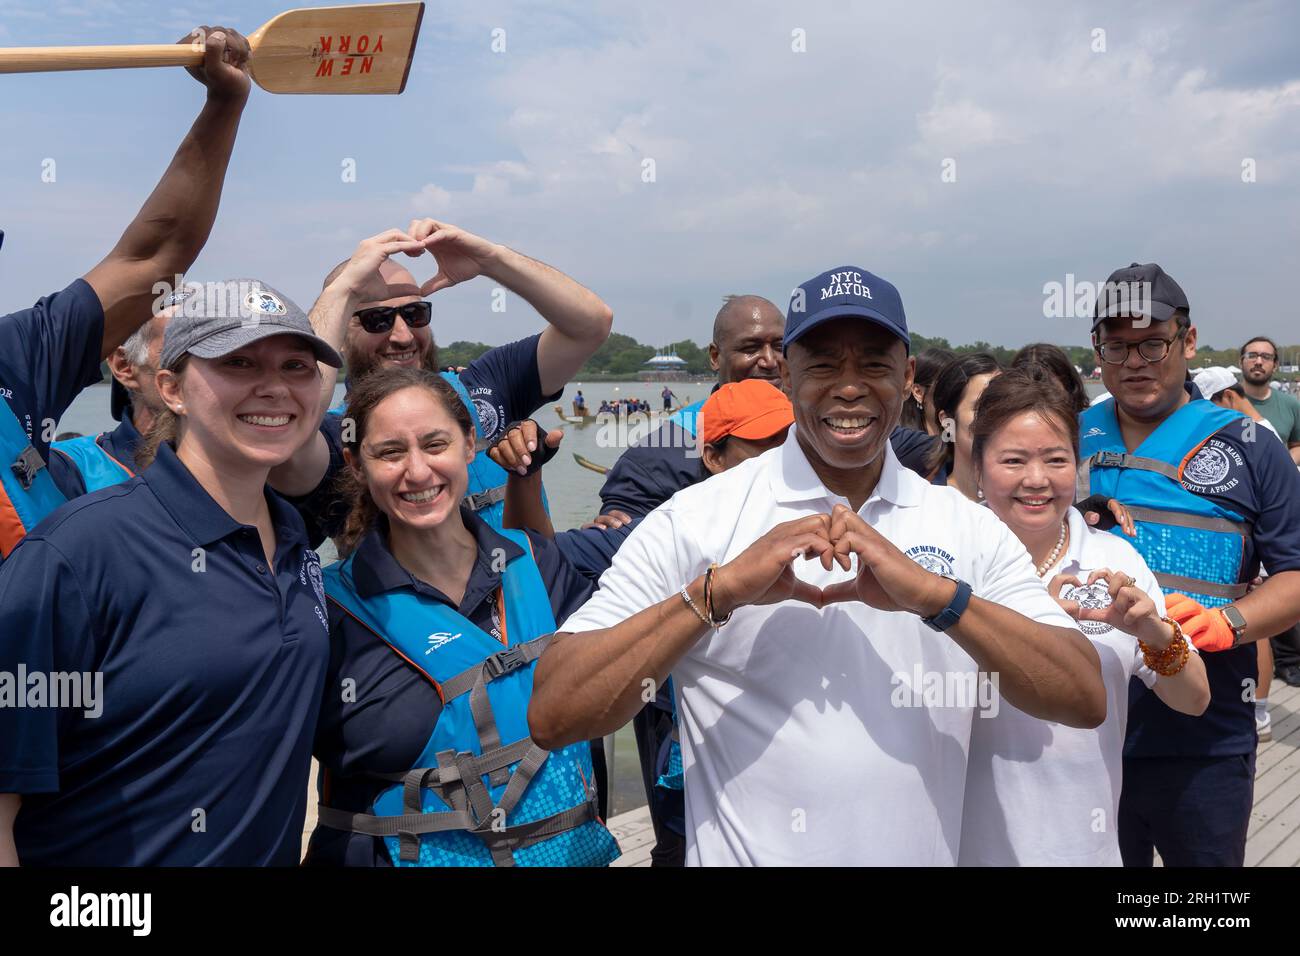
{"x":486,"y":493}
{"x":27,"y":492}
{"x":1193,"y":545}
{"x":98,"y":468}
{"x":686,"y":418}
{"x":482,"y":793}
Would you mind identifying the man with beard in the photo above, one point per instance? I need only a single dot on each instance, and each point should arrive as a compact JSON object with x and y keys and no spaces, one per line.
{"x":376,"y":310}
{"x":1259,"y":358}
{"x":1211,"y":504}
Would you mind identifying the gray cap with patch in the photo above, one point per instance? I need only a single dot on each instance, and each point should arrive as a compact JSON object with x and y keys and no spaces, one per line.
{"x":213,"y":319}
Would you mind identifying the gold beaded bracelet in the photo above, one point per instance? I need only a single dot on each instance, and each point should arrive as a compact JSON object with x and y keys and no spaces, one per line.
{"x":1173,"y":658}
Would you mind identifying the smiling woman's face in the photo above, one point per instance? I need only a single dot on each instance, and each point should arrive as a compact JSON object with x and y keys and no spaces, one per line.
{"x":1027,"y":473}
{"x":255,"y":406}
{"x":414,"y":459}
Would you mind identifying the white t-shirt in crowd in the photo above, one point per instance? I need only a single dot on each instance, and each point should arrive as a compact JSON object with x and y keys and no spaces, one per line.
{"x":806,"y":735}
{"x":1043,"y":794}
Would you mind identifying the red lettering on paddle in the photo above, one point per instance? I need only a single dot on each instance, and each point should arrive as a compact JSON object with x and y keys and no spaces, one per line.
{"x":363,"y":44}
{"x":326,"y":68}
{"x":347,"y":67}
{"x":344,"y":43}
{"x":325,"y":43}
{"x":379,"y":47}
{"x":366,"y":64}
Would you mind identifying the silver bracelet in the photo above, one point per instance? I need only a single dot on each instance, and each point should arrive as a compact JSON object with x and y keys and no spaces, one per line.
{"x":691,"y":604}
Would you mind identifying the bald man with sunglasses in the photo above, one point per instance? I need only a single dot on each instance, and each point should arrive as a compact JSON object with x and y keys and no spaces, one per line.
{"x":374,"y":310}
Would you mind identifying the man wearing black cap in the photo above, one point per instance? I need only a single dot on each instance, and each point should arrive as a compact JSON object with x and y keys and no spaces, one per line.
{"x":1211,"y":503}
{"x":798,"y":680}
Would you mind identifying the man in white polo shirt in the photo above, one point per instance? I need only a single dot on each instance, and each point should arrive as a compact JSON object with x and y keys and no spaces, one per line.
{"x":825,"y":722}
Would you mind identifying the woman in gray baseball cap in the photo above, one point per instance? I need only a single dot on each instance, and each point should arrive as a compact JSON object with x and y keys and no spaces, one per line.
{"x":191,"y":596}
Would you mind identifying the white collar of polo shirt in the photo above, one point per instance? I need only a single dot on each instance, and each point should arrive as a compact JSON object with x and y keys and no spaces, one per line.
{"x":794,"y":480}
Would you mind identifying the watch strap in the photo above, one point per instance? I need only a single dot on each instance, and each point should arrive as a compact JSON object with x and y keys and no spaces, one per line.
{"x":953,"y":612}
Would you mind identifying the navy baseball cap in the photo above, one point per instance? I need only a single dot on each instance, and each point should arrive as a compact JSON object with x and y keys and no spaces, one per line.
{"x":848,"y":290}
{"x":1141,"y":289}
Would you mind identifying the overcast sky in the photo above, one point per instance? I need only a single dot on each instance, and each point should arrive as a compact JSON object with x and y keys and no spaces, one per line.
{"x":771,"y":163}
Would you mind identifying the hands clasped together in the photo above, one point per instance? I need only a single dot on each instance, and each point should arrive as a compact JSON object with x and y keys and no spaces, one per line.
{"x":886,"y":578}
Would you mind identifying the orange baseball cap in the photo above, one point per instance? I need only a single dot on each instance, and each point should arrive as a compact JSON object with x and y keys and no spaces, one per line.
{"x":749,"y":409}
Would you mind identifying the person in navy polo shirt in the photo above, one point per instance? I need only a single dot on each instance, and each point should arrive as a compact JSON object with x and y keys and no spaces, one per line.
{"x":1212,"y":499}
{"x":50,"y":352}
{"x":384,"y":322}
{"x":191,"y":602}
{"x":430,"y":610}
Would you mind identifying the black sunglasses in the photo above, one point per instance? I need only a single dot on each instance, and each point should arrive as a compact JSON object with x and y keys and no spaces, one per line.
{"x":382,"y":317}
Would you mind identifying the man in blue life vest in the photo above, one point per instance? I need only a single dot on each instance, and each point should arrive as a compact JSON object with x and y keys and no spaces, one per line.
{"x":1211,"y":503}
{"x":375,"y":312}
{"x":50,"y":352}
{"x":91,"y":462}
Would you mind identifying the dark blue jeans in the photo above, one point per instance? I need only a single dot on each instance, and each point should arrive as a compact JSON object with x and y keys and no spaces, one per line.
{"x":1194,"y":810}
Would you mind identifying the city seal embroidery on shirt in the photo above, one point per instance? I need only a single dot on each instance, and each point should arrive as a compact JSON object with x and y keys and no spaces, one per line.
{"x":1209,"y":469}
{"x":933,"y":559}
{"x":1095,"y":597}
{"x":310,"y":575}
{"x":491,"y":416}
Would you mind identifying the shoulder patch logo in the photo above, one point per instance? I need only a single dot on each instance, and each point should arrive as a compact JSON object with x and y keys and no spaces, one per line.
{"x":1208,"y":467}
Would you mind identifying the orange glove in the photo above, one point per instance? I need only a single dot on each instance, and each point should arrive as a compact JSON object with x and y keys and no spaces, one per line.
{"x":1207,"y":629}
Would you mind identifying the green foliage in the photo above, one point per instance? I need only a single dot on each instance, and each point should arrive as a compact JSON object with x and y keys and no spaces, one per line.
{"x":460,"y":353}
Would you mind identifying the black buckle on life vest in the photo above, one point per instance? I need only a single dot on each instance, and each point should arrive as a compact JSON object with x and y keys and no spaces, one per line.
{"x":503,"y":662}
{"x":1109,"y":459}
{"x":27,"y":466}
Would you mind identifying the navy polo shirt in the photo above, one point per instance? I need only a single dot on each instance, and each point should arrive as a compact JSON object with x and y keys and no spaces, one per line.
{"x":48,"y":354}
{"x":504,"y":385}
{"x":212,"y":667}
{"x":391,"y":709}
{"x":1248,"y":470}
{"x":121,"y":443}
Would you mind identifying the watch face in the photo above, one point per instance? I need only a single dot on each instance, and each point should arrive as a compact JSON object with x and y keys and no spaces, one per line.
{"x":1234,"y":618}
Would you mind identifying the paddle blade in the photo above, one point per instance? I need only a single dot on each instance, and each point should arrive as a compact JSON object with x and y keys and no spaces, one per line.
{"x":363,"y":48}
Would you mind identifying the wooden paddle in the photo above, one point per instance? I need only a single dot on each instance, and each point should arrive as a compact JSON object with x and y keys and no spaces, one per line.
{"x":362,"y":48}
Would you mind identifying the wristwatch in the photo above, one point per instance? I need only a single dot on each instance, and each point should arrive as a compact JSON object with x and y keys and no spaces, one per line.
{"x":953,"y":612}
{"x":1235,"y":621}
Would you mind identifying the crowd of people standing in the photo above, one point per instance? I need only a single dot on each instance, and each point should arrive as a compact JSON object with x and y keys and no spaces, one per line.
{"x":860,"y":606}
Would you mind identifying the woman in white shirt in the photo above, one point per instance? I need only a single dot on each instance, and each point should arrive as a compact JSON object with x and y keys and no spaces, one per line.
{"x":1040,"y":793}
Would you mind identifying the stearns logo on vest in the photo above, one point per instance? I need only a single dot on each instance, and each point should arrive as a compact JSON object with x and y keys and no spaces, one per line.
{"x":439,"y":639}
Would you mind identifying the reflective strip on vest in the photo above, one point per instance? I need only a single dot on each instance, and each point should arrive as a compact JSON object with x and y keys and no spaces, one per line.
{"x":1192,"y":544}
{"x":481,"y":793}
{"x":27,"y":492}
{"x":98,"y":468}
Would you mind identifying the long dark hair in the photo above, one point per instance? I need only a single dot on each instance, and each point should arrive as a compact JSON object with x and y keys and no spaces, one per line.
{"x":1054,"y":360}
{"x":364,"y":398}
{"x":949,"y":386}
{"x":1030,"y":388}
{"x":928,"y":363}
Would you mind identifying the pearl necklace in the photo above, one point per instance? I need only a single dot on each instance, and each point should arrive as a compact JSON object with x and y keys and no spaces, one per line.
{"x":1056,"y":553}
